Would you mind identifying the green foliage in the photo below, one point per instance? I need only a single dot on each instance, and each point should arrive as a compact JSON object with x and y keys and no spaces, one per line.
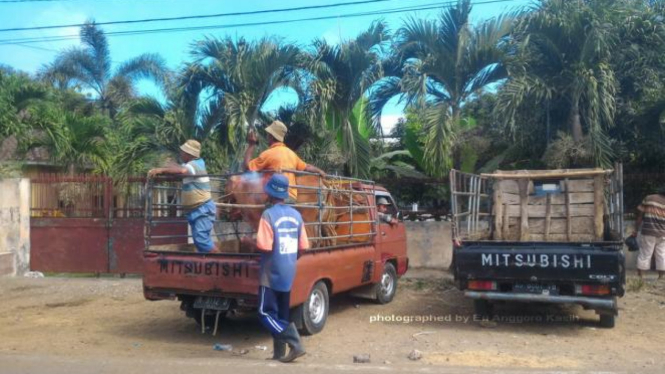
{"x":564,"y":84}
{"x":563,"y":62}
{"x":225,"y":87}
{"x":89,"y":66}
{"x":445,"y":62}
{"x":565,"y":152}
{"x":344,"y":73}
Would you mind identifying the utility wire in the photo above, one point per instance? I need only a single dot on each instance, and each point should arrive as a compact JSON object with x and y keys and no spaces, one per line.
{"x":239,"y":25}
{"x":35,"y":47}
{"x":31,"y":1}
{"x":200,"y":16}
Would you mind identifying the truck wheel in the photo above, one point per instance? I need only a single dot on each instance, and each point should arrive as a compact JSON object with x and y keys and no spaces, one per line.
{"x":315,"y":309}
{"x":607,"y":320}
{"x":483,"y":308}
{"x":386,"y":289}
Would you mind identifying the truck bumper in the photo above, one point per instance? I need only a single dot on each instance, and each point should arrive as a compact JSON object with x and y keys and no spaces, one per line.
{"x":590,"y":302}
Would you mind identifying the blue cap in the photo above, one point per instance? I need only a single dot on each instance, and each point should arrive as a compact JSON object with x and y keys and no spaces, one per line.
{"x":278,"y":187}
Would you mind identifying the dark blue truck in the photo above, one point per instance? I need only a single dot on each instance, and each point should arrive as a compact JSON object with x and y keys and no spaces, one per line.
{"x":547,"y":236}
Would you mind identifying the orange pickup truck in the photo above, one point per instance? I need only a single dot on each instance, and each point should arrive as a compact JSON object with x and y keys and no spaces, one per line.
{"x":209,"y":286}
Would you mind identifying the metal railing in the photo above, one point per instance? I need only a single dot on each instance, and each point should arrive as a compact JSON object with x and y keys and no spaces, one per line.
{"x":337,"y":200}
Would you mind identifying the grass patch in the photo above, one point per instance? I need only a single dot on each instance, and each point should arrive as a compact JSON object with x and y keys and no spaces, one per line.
{"x":635,"y":284}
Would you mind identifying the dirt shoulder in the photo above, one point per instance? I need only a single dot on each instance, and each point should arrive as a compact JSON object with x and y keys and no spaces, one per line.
{"x":75,"y":317}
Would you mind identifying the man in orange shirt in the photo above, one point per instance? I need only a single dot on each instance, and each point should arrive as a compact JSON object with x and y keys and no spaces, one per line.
{"x":277,"y":157}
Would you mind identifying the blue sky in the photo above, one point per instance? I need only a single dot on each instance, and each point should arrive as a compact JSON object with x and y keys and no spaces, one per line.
{"x":174,"y":47}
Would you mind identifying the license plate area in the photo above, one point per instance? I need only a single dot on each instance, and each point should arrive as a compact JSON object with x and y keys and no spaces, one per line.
{"x":535,"y":288}
{"x":214,"y":303}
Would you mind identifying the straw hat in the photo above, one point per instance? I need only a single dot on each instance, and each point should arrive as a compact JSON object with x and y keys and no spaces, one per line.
{"x":192,"y":147}
{"x":278,"y":130}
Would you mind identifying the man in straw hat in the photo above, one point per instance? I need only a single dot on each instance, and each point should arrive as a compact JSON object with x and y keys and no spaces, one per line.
{"x":197,"y":202}
{"x":277,"y":157}
{"x":281,"y":235}
{"x":651,"y":221}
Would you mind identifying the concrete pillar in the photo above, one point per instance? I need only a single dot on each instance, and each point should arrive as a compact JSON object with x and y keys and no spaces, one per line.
{"x":14,"y":226}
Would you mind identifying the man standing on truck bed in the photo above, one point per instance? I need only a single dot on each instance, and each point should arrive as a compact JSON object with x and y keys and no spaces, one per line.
{"x":277,"y":157}
{"x":197,"y":202}
{"x":651,"y":219}
{"x":280,"y":236}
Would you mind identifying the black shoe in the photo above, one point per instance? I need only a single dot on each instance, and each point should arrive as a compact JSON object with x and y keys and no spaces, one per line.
{"x":291,"y":337}
{"x":278,"y":349}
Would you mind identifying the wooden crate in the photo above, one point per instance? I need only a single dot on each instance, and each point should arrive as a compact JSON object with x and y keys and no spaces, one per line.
{"x":573,"y":213}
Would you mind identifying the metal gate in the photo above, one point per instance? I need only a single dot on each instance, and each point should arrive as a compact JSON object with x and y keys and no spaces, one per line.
{"x":88,"y":224}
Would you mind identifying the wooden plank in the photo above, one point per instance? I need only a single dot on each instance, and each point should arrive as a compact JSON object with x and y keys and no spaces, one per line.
{"x":599,"y":200}
{"x":506,"y":223}
{"x":563,"y":238}
{"x":569,"y":221}
{"x":509,"y":186}
{"x":579,"y":185}
{"x":557,"y":199}
{"x":547,"y":171}
{"x":524,"y":211}
{"x":498,"y":212}
{"x":548,"y":216}
{"x":581,"y":225}
{"x":558,"y":211}
{"x":554,"y":174}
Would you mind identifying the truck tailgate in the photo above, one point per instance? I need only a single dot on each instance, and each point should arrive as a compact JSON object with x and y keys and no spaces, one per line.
{"x":539,"y":262}
{"x":196,"y":274}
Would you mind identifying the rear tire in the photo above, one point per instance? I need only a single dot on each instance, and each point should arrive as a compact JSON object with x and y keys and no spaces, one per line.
{"x":483,"y":308}
{"x":314,"y":312}
{"x":387,"y":287}
{"x":607,"y":320}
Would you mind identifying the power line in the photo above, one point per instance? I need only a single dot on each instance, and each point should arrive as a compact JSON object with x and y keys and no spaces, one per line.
{"x":29,"y":1}
{"x":201,"y":16}
{"x":239,"y":25}
{"x":34,"y":47}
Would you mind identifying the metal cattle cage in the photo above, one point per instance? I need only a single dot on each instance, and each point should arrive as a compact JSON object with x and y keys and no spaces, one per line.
{"x":335,"y":196}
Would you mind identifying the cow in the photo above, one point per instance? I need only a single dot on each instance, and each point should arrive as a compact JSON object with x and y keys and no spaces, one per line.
{"x":246,"y":190}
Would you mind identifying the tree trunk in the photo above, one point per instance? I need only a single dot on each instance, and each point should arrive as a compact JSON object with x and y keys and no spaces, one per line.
{"x":576,"y":122}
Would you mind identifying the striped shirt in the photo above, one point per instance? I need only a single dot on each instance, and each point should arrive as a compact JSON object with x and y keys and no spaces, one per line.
{"x":195,"y":190}
{"x":653,"y":215}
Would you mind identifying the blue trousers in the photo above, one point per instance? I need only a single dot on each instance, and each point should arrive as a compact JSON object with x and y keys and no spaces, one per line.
{"x":201,"y":220}
{"x":274,"y":309}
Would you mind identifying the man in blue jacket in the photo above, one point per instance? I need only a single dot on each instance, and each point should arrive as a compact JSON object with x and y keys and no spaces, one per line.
{"x":280,"y":236}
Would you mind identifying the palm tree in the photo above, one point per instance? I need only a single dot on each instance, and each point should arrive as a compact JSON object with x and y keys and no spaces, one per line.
{"x":228,"y":83}
{"x":344,"y":74}
{"x":445,"y":63}
{"x":89,"y":67}
{"x":563,"y":65}
{"x":151,"y":131}
{"x":18,"y":96}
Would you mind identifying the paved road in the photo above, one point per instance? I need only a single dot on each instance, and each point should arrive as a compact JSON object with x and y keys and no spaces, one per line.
{"x":27,"y":364}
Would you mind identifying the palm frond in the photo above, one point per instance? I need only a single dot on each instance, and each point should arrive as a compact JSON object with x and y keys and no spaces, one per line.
{"x":145,"y":66}
{"x":97,"y":47}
